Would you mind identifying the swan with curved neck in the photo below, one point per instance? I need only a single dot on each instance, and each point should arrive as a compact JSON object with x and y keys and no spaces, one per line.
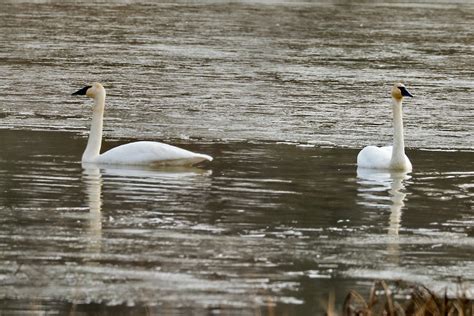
{"x":389,"y":157}
{"x":137,"y":153}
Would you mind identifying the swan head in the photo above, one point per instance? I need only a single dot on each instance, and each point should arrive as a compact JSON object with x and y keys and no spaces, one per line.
{"x":399,"y":91}
{"x":92,"y":91}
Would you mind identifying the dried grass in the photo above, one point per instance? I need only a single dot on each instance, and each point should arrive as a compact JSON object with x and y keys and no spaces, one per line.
{"x":403,"y":299}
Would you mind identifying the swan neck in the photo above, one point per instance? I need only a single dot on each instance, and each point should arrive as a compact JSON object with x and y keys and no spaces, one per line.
{"x":94,"y":142}
{"x":398,"y":152}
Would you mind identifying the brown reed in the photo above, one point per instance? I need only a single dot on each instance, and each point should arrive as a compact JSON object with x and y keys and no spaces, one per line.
{"x":401,"y":299}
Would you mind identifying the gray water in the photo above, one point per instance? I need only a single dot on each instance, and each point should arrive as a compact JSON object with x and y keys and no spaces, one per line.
{"x":304,"y":72}
{"x":282,"y":95}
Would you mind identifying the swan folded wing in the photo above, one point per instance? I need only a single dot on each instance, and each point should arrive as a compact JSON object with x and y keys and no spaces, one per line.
{"x":375,"y":157}
{"x":145,"y":152}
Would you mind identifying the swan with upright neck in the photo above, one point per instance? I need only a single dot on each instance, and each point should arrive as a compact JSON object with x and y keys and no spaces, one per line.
{"x":389,"y":157}
{"x":137,"y":153}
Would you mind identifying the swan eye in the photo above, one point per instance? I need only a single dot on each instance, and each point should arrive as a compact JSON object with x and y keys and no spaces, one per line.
{"x":82,"y":91}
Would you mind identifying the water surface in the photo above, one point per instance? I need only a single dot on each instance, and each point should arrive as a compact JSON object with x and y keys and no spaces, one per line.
{"x":263,"y":226}
{"x":317,"y":73}
{"x":282,"y":95}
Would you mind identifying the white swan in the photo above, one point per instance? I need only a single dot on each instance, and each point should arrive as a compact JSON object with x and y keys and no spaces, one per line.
{"x":138,"y":153}
{"x":389,"y":157}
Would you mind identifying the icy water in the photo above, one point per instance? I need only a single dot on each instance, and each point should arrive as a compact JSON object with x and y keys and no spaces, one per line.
{"x":282,"y":95}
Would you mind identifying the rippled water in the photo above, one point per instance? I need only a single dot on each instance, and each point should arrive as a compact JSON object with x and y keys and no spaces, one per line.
{"x":262,"y":225}
{"x":282,"y":96}
{"x":300,"y":72}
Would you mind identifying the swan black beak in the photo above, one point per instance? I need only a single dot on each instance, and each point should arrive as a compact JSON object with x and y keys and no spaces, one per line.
{"x":82,"y":91}
{"x":405,"y":92}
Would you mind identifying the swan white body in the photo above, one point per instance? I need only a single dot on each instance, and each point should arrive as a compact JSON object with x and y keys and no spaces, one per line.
{"x":373,"y":157}
{"x":389,"y":157}
{"x":138,"y":153}
{"x":145,"y":153}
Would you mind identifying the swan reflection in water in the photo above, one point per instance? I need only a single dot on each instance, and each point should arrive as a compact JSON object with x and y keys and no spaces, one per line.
{"x":374,"y":184}
{"x":93,"y":178}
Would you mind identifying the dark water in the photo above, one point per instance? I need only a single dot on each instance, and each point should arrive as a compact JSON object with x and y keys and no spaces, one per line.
{"x":282,"y":95}
{"x":263,"y":227}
